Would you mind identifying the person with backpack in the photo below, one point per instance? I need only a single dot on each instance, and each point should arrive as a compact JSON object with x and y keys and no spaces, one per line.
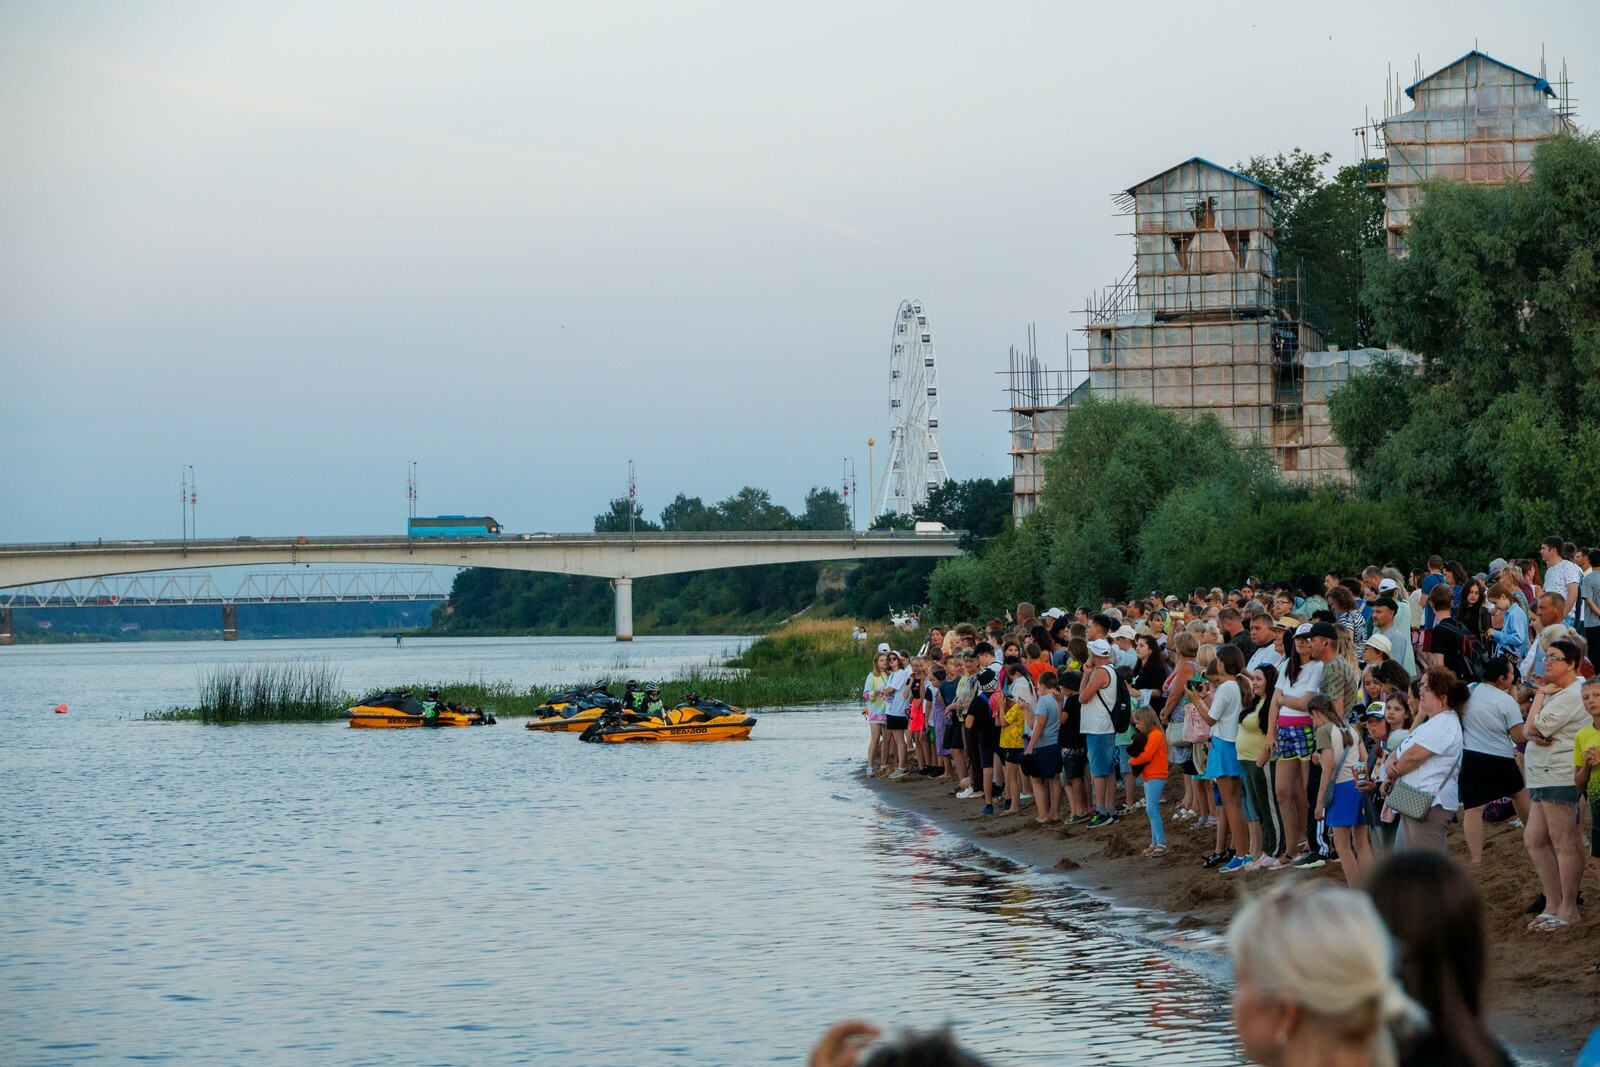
{"x":1099,"y":696}
{"x":1448,"y":639}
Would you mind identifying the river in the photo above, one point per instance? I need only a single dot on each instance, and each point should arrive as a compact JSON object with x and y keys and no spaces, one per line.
{"x":311,"y":893}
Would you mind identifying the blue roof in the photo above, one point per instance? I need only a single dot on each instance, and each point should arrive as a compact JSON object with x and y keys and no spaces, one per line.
{"x":1538,"y":82}
{"x":1214,"y":166}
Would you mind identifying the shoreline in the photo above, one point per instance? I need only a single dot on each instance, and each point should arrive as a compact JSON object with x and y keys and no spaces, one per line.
{"x":1541,"y":1005}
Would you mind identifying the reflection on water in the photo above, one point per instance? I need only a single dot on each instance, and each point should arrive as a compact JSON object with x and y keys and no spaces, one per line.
{"x":320,"y":894}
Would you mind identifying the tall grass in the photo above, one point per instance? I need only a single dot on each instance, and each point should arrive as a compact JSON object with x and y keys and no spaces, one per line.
{"x":297,"y":691}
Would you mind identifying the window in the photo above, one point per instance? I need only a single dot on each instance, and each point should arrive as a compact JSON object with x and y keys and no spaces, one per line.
{"x":1105,"y":346}
{"x":928,"y":361}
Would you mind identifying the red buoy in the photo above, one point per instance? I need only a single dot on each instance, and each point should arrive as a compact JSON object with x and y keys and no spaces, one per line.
{"x":61,"y":709}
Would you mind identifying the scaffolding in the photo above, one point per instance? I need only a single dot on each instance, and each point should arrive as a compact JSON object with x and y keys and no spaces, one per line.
{"x":1040,"y":399}
{"x":1476,"y":120}
{"x":1204,"y":322}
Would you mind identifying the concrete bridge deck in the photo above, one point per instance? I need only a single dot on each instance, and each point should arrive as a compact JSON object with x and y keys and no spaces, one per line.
{"x":620,"y":557}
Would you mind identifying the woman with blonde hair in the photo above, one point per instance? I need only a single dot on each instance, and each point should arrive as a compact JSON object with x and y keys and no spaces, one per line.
{"x":1314,"y":979}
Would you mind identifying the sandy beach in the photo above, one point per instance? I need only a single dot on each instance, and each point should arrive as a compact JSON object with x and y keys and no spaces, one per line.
{"x":1541,"y":1003}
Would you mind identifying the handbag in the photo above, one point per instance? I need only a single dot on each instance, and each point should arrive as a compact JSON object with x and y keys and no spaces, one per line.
{"x":1410,"y":801}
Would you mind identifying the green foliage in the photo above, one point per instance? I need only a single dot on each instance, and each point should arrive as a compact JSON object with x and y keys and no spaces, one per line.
{"x":1500,"y":295}
{"x":1324,"y":229}
{"x":1115,"y":465}
{"x":956,"y":589}
{"x":980,"y":506}
{"x":615,"y":519}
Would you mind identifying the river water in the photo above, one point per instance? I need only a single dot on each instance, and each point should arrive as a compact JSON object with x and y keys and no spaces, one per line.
{"x":299,"y":894}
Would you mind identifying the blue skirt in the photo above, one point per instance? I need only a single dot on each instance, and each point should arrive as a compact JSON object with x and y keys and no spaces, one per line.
{"x":1224,"y":761}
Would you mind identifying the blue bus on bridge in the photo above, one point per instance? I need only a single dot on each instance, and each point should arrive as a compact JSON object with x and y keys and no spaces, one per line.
{"x":454,"y":527}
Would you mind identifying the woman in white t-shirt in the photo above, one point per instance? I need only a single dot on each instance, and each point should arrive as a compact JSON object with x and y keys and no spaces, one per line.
{"x":1293,"y":741}
{"x":1491,"y":730}
{"x":1430,"y":760}
{"x":1219,"y":708}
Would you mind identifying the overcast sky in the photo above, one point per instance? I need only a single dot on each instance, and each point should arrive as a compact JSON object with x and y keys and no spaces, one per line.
{"x":298,"y":245}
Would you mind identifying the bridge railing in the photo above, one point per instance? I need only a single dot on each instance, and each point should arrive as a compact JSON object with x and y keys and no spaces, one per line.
{"x":655,"y":536}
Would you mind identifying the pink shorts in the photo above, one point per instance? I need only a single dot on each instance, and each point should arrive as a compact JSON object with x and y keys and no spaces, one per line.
{"x":919,"y":720}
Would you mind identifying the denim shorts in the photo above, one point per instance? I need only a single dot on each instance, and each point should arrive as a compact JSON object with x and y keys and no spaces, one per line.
{"x":1554,"y":794}
{"x":1102,"y":754}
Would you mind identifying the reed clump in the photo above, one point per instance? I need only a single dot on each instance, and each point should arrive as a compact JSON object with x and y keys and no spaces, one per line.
{"x":296,"y":691}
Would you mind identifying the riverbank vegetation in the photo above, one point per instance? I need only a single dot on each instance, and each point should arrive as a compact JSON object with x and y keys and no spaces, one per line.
{"x":807,"y":662}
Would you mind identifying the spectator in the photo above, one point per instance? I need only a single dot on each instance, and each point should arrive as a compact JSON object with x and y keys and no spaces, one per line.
{"x":1044,"y":746}
{"x":1263,"y":650}
{"x":1551,"y":833}
{"x":1429,"y":760}
{"x":1340,"y":755}
{"x":1491,"y":731}
{"x":1293,"y":742}
{"x":1510,"y":621}
{"x":1097,"y":696}
{"x":1435,"y":915}
{"x":1314,"y":979}
{"x":1589,"y":597}
{"x":1343,"y":602}
{"x":1446,"y":639}
{"x":1150,"y":762}
{"x":1561,"y":577}
{"x":1474,"y":610}
{"x":1255,"y":754}
{"x":1219,"y":707}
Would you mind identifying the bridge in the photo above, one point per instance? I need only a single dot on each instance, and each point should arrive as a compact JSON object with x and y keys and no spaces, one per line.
{"x":619,"y":557}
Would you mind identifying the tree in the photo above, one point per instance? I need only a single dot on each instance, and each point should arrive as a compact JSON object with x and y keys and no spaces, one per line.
{"x":825,"y":510}
{"x":1499,"y":294}
{"x":687,"y":513}
{"x":1324,"y":229}
{"x":752,"y":509}
{"x":615,"y":518}
{"x":980,"y":506}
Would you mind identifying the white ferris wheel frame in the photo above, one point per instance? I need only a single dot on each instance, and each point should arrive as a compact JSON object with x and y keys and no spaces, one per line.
{"x":915,"y":463}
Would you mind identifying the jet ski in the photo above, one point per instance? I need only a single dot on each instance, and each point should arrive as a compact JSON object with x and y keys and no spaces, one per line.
{"x":576,"y":709}
{"x":696,"y":719}
{"x":383,"y":711}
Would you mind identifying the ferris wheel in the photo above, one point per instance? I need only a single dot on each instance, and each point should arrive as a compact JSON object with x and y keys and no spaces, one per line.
{"x":914,"y":465}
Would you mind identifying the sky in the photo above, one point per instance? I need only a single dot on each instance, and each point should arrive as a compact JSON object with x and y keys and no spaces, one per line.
{"x":301,"y":245}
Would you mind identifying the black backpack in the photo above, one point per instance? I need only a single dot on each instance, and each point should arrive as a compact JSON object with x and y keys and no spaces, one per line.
{"x":1122,"y":709}
{"x":1476,"y":653}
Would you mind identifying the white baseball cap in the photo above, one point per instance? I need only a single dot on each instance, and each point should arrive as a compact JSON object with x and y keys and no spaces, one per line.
{"x":1101,"y":649}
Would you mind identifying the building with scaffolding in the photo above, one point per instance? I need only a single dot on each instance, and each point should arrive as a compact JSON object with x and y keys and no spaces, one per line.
{"x":1476,"y":120}
{"x":1202,"y":322}
{"x":1207,"y":321}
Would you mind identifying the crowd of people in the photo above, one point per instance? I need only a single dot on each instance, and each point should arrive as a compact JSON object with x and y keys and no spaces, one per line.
{"x":1362,"y":720}
{"x":1307,"y":722}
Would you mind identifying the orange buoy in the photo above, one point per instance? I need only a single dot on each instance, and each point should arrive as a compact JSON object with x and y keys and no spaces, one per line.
{"x":61,"y":709}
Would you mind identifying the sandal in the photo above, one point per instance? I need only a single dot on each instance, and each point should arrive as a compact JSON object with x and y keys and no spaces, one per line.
{"x":1161,"y":850}
{"x":1550,"y":925}
{"x":1542,"y":918}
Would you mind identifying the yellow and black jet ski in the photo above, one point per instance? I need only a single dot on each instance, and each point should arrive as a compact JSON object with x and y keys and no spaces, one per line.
{"x":387,"y":711}
{"x":696,"y":719}
{"x":572,"y":710}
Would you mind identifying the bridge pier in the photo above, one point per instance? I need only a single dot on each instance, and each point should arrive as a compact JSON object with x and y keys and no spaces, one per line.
{"x":230,"y":622}
{"x":8,"y":635}
{"x":624,"y":592}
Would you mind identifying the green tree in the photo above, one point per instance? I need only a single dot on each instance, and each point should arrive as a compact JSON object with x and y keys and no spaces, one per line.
{"x":752,"y":509}
{"x":615,"y":518}
{"x":687,"y":513}
{"x":1324,"y":230}
{"x":980,"y":506}
{"x":824,"y":510}
{"x":1499,"y":294}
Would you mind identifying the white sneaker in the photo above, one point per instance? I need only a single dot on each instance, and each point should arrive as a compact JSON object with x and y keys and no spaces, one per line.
{"x":966,"y":794}
{"x":901,"y":773}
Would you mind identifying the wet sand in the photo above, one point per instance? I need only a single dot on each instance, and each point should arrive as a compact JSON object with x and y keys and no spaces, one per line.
{"x":1542,"y":1005}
